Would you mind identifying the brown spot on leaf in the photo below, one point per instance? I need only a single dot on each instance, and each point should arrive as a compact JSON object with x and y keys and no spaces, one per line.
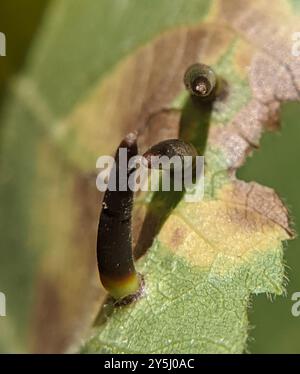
{"x":177,"y":237}
{"x":262,"y":200}
{"x":155,"y":73}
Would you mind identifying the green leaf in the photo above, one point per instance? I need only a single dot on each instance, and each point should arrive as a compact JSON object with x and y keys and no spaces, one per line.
{"x":17,"y":38}
{"x":207,"y":258}
{"x":73,"y":103}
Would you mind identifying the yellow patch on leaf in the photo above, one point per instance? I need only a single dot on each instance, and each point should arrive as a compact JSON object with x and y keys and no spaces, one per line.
{"x":243,"y":220}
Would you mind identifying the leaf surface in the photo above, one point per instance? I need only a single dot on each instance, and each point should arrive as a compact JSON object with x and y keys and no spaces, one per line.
{"x":200,"y":268}
{"x":207,"y":258}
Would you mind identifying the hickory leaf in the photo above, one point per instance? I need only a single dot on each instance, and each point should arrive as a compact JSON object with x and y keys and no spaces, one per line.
{"x":90,"y":79}
{"x":202,"y":261}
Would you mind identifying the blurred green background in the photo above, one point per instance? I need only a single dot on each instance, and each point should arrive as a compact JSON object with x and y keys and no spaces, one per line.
{"x":19,"y":21}
{"x":60,"y":45}
{"x":276,"y":164}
